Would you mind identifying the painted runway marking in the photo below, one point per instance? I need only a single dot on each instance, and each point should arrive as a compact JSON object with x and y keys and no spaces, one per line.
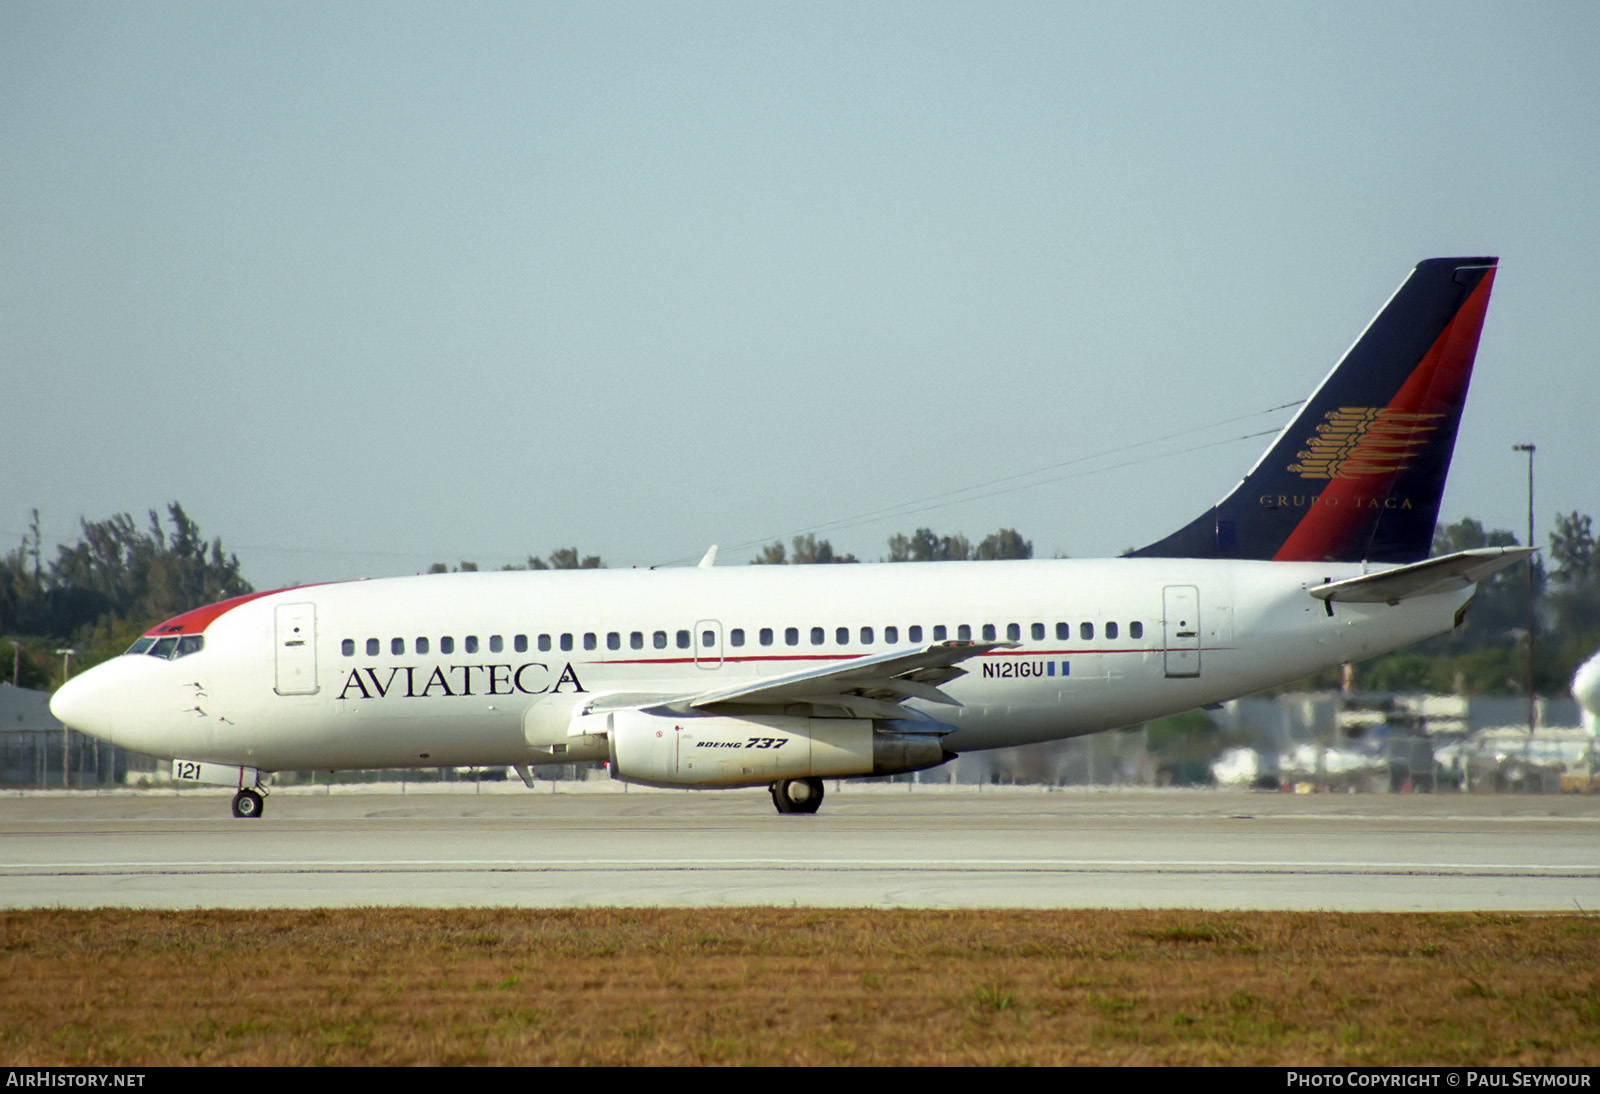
{"x":1483,"y":869}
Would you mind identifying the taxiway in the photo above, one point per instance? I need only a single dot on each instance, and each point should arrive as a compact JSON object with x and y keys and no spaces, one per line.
{"x":873,"y":845}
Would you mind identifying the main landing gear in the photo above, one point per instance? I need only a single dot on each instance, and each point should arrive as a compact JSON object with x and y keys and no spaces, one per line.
{"x":248,"y":803}
{"x":797,"y":795}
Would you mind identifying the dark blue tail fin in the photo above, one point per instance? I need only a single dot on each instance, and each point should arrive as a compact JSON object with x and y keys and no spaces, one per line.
{"x":1359,"y":472}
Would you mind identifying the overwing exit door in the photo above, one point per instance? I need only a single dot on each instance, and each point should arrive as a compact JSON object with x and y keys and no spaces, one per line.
{"x":708,"y":644}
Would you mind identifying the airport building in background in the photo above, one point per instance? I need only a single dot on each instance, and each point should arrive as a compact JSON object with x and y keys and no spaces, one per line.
{"x":33,"y":744}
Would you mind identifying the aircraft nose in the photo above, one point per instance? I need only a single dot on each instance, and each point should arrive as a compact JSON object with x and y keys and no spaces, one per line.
{"x":83,"y":704}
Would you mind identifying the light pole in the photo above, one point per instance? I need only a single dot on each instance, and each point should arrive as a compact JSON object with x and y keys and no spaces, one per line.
{"x":66,"y":730}
{"x":1532,"y":711}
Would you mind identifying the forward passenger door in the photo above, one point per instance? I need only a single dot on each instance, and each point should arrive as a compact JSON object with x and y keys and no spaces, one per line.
{"x":296,"y":645}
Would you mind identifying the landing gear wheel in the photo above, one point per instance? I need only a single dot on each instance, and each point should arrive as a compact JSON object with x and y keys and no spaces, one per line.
{"x":248,"y":803}
{"x":797,"y":795}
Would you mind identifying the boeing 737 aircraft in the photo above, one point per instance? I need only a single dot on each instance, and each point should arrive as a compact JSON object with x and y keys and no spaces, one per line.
{"x":708,"y":677}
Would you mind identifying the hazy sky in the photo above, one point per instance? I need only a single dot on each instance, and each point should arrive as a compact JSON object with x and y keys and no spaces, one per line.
{"x":369,"y":286}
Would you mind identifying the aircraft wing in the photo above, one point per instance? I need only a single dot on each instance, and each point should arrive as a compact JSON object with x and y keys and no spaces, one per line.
{"x":861,"y":687}
{"x":1435,"y":575}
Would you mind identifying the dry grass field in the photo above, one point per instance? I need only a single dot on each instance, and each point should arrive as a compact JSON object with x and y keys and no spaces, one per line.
{"x":795,"y":986}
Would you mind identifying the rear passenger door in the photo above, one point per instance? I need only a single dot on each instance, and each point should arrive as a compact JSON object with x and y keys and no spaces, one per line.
{"x":1181,"y":618}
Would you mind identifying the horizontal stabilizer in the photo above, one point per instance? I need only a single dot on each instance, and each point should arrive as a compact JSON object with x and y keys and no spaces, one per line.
{"x":1447,"y":573}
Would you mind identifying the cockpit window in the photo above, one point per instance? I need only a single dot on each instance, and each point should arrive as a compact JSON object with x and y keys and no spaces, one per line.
{"x":170,"y":648}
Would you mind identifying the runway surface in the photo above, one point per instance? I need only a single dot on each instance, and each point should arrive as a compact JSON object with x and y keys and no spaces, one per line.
{"x":871,"y":846}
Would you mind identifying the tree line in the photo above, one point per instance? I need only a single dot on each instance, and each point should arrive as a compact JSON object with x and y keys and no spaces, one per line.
{"x":101,"y":592}
{"x":562,"y":558}
{"x":923,"y":545}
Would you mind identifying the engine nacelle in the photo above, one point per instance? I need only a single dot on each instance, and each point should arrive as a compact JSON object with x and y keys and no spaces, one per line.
{"x":720,"y":751}
{"x":557,"y":731}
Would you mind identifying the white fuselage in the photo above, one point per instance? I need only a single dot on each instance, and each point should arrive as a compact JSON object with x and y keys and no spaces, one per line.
{"x":1101,"y":644}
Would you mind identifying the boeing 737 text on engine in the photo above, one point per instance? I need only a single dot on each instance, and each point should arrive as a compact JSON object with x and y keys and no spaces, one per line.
{"x":780,"y":676}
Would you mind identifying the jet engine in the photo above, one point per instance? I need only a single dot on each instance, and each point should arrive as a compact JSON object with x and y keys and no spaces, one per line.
{"x":662,"y":750}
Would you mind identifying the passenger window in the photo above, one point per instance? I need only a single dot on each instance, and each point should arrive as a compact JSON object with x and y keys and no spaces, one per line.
{"x":1038,"y":632}
{"x":708,"y":640}
{"x":613,"y":640}
{"x":1063,"y":631}
{"x":766,"y":636}
{"x":1136,"y":629}
{"x":1111,"y":630}
{"x":988,"y":632}
{"x":891,"y":635}
{"x":736,"y":637}
{"x":447,"y":645}
{"x":496,"y":643}
{"x":817,"y":636}
{"x":421,"y":645}
{"x":939,"y":632}
{"x":1013,"y":632}
{"x":683,"y":640}
{"x":1086,"y":630}
{"x":914,"y":632}
{"x":791,"y":636}
{"x":590,"y":642}
{"x":544,"y":643}
{"x":566,"y":642}
{"x":866,"y":636}
{"x":520,"y":643}
{"x":636,"y":640}
{"x":348,"y":647}
{"x":397,"y":646}
{"x":964,"y":632}
{"x":374,"y":647}
{"x":470,"y":643}
{"x":659,"y":640}
{"x":842,"y":636}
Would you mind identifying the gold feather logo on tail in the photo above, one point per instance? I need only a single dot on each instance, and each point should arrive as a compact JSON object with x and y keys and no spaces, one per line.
{"x":1357,"y":441}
